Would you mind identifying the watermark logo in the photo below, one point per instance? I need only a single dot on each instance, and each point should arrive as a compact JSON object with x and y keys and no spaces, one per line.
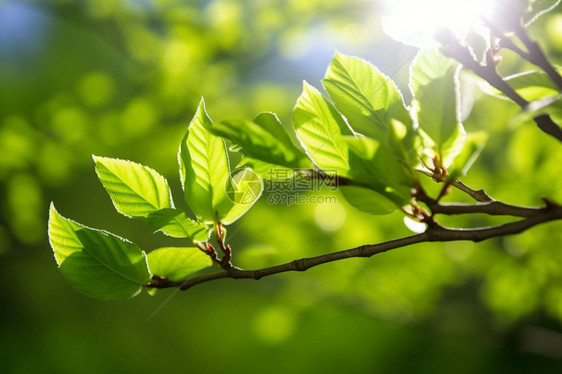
{"x":283,"y":186}
{"x":245,"y":187}
{"x":289,"y":187}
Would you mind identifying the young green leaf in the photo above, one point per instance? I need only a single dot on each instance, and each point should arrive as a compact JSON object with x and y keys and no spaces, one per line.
{"x":267,"y":170}
{"x":263,"y":139}
{"x":531,"y":85}
{"x":367,"y":200}
{"x":433,"y":80}
{"x":177,"y":264}
{"x":479,"y":42}
{"x":271,"y":123}
{"x":472,"y":147}
{"x":136,"y":190}
{"x":97,"y":263}
{"x":430,"y":64}
{"x":406,"y":145}
{"x":373,"y":166}
{"x":551,"y":106}
{"x":365,"y":96}
{"x":537,"y":8}
{"x":175,"y":223}
{"x":204,"y":169}
{"x":319,"y":128}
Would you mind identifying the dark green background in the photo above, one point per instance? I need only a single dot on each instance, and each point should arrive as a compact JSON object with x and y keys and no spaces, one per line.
{"x":122,"y":79}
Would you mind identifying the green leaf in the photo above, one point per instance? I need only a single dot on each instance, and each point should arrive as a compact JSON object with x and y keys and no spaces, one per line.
{"x":472,"y":147}
{"x":406,"y":145}
{"x":319,"y":128}
{"x":175,"y":223}
{"x":537,"y":8}
{"x":433,"y":81}
{"x":531,"y":85}
{"x":263,"y":139}
{"x":267,"y":170}
{"x":271,"y":123}
{"x":97,"y":263}
{"x":177,"y":264}
{"x":136,"y":190}
{"x":479,"y":42}
{"x":204,"y":169}
{"x":364,"y":95}
{"x":430,"y":64}
{"x":367,"y":200}
{"x":551,"y":106}
{"x":373,"y":166}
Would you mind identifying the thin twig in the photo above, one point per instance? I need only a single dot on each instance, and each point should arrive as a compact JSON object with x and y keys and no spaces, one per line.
{"x":478,"y":195}
{"x":491,"y":207}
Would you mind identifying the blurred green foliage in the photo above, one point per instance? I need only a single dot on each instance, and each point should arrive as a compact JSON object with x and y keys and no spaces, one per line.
{"x":122,"y":79}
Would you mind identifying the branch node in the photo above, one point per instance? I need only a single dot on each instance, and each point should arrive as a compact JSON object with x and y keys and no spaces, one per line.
{"x":299,"y":265}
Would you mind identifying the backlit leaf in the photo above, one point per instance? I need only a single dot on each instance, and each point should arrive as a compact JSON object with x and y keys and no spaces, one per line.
{"x":319,"y":128}
{"x":472,"y":147}
{"x":531,"y":85}
{"x":433,"y":80}
{"x":537,"y":8}
{"x":204,"y":169}
{"x":177,"y":264}
{"x":136,"y":190}
{"x":97,"y":263}
{"x":373,"y":166}
{"x":175,"y":223}
{"x":267,"y":170}
{"x":263,"y":139}
{"x":367,"y":200}
{"x":551,"y":106}
{"x":364,"y":95}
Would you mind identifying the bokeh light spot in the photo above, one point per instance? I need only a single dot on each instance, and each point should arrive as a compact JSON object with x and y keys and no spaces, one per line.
{"x":139,"y":117}
{"x":554,"y":31}
{"x":274,"y":325}
{"x":176,"y":56}
{"x":70,"y":124}
{"x":96,"y":88}
{"x":25,"y":205}
{"x":331,"y":216}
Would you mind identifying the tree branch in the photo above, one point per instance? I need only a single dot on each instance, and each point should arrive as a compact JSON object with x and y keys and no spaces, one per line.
{"x":493,"y":208}
{"x":454,"y":49}
{"x":490,"y":207}
{"x":537,"y":57}
{"x":434,"y":233}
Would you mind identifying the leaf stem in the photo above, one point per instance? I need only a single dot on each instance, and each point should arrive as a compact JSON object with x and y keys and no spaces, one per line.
{"x":226,"y":250}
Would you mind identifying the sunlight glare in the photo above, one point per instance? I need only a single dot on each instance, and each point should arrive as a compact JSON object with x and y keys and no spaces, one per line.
{"x":416,"y":21}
